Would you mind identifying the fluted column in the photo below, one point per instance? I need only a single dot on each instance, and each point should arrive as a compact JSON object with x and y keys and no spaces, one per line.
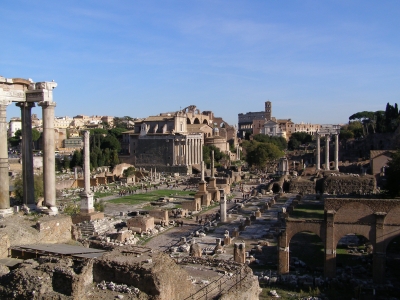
{"x":86,"y":195}
{"x":336,"y":152}
{"x":4,"y":182}
{"x":27,"y":154}
{"x":318,"y":158}
{"x":201,"y":149}
{"x":49,"y":163}
{"x":327,"y":139}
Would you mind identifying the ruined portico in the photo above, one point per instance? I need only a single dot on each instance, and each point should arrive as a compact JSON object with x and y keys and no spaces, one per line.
{"x":26,"y":93}
{"x":329,"y":132}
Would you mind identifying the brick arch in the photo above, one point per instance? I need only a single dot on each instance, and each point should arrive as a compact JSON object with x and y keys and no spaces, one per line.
{"x":392,"y":217}
{"x":355,"y":212}
{"x":312,"y":227}
{"x":391,"y":238}
{"x":196,"y":121}
{"x":343,"y":230}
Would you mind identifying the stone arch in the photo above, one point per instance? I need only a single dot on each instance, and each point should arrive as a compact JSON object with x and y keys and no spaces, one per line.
{"x":188,"y":121}
{"x":196,"y":121}
{"x":205,"y":121}
{"x":276,"y":188}
{"x":392,"y":218}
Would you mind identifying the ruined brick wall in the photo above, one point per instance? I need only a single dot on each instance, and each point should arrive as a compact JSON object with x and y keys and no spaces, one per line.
{"x":144,"y":223}
{"x":54,"y":230}
{"x":343,"y":185}
{"x":154,"y":152}
{"x":4,"y":245}
{"x":300,"y":185}
{"x":159,"y":214}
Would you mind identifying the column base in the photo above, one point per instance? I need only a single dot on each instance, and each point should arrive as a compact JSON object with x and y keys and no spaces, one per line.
{"x":6,"y":212}
{"x":51,"y":211}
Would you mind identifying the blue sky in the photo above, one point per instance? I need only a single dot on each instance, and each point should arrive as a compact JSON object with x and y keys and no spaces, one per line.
{"x":317,"y":61}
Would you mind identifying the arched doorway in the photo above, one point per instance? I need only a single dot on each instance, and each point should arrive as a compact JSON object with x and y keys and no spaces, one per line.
{"x":306,"y":253}
{"x":276,"y":188}
{"x":393,"y":261}
{"x":354,"y":256}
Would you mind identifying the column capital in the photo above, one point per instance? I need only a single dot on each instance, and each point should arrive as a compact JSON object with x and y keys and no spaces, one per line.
{"x":47,"y":104}
{"x":25,"y":104}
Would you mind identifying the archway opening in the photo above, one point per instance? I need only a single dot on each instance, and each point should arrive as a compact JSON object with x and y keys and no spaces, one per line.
{"x":306,"y":253}
{"x":276,"y":188}
{"x":354,"y":256}
{"x":188,"y":121}
{"x":205,"y":122}
{"x":196,"y":121}
{"x":393,"y":261}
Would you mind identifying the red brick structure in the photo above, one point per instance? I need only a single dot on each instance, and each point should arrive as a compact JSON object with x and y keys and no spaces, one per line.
{"x":376,"y":219}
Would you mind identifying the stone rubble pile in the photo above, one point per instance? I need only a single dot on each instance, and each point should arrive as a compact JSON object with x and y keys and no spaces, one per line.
{"x":120,"y":288}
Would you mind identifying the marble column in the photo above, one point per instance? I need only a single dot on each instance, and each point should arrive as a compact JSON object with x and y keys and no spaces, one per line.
{"x":27,"y":154}
{"x":212,"y":164}
{"x":336,"y":152}
{"x":318,"y":160}
{"x":49,"y":162}
{"x":202,"y":171}
{"x":195,"y":152}
{"x":201,"y":150}
{"x":237,"y":152}
{"x":327,"y":139}
{"x":222,"y":207}
{"x":86,"y":195}
{"x":4,"y":182}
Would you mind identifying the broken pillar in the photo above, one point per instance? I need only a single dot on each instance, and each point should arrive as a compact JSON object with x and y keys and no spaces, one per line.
{"x":239,"y":253}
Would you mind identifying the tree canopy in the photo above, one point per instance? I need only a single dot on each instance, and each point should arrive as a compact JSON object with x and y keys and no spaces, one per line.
{"x":297,"y":139}
{"x":259,"y":154}
{"x":393,"y":176}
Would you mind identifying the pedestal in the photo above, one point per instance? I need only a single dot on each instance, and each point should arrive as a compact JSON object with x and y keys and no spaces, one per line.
{"x":86,"y":202}
{"x":6,"y":212}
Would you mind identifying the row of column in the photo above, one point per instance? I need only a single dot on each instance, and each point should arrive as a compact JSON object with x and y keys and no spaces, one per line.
{"x":188,"y":151}
{"x":49,"y":179}
{"x":318,"y":158}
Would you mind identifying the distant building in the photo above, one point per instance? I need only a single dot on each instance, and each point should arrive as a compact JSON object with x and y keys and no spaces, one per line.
{"x":14,"y":126}
{"x":245,"y":121}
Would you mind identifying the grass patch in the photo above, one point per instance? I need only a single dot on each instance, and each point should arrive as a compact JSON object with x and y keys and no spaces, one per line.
{"x":308,"y":211}
{"x":101,"y":195}
{"x":150,"y":196}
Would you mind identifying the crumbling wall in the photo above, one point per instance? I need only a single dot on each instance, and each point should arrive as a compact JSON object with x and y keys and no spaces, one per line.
{"x":154,"y":274}
{"x":54,"y":230}
{"x":349,"y":184}
{"x":299,"y":185}
{"x":4,"y":245}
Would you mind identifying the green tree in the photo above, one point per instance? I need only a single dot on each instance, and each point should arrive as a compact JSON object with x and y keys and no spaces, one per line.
{"x":77,"y":159}
{"x":218,"y":155}
{"x":35,"y":134}
{"x":260,"y":154}
{"x":129,"y":171}
{"x":37,"y":185}
{"x":111,"y":142}
{"x":393,"y":176}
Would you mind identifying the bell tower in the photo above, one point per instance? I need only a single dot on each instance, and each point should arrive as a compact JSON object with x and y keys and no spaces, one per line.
{"x":268,"y":110}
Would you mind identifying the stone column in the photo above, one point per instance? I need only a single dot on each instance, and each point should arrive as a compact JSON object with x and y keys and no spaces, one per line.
{"x":336,"y":152}
{"x":379,"y":254}
{"x":202,"y":171}
{"x":318,"y":160}
{"x":239,"y":253}
{"x":201,"y":149}
{"x":4,"y":183}
{"x":86,"y":195}
{"x":49,"y":163}
{"x":283,"y":254}
{"x":330,"y":249}
{"x":222,"y":207}
{"x":27,"y":154}
{"x":237,"y":152}
{"x":212,"y":164}
{"x":327,"y":139}
{"x":186,"y":152}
